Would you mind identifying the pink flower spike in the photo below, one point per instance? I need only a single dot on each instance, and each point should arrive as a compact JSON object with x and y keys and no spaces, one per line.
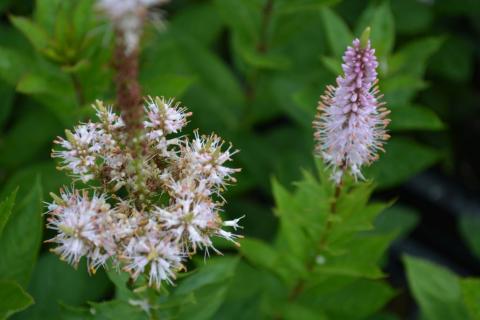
{"x":350,"y":126}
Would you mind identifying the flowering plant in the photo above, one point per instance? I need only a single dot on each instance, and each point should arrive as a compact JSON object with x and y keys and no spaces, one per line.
{"x":136,"y":230}
{"x":134,"y":215}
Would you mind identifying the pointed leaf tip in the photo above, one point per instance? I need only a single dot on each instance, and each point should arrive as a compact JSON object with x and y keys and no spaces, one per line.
{"x":365,"y":37}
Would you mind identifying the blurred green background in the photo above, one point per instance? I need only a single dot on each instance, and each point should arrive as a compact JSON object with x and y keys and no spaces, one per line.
{"x":252,"y":71}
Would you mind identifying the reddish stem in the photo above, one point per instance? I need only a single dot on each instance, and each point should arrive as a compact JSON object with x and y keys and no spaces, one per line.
{"x":129,"y":94}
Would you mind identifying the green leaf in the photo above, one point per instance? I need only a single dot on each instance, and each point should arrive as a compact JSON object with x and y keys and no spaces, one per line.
{"x":167,"y":85}
{"x":52,"y":282}
{"x":208,"y":301}
{"x":338,"y":34}
{"x":259,"y":253}
{"x":403,"y":158}
{"x":191,"y":19}
{"x":401,"y":88}
{"x":361,"y":259}
{"x":209,"y":286}
{"x":215,"y":94}
{"x":398,"y":220}
{"x":292,"y":236}
{"x":436,"y":289}
{"x":455,"y":60}
{"x":12,"y":298}
{"x":414,"y":118}
{"x":243,"y":299}
{"x":347,"y":298}
{"x":291,"y":7}
{"x":120,"y":280}
{"x":24,"y":178}
{"x":21,"y":238}
{"x":7,"y":92}
{"x":380,"y":19}
{"x":6,"y":207}
{"x":471,"y":296}
{"x":293,"y":311}
{"x":46,"y":12}
{"x":117,"y":309}
{"x":33,"y":84}
{"x":21,"y":139}
{"x":266,"y":61}
{"x":214,"y":271}
{"x":334,"y":65}
{"x":412,"y":58}
{"x":35,"y":33}
{"x":469,"y":226}
{"x":412,"y":17}
{"x":13,"y":64}
{"x":50,"y":83}
{"x":241,"y":17}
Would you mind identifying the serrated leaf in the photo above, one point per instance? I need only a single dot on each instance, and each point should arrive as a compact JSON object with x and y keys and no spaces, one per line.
{"x":361,"y":259}
{"x":12,"y":298}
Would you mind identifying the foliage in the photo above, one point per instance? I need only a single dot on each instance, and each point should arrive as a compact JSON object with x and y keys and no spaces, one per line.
{"x":252,"y":71}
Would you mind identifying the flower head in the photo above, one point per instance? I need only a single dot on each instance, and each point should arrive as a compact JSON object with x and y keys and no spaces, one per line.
{"x":350,"y":124}
{"x":80,"y":150}
{"x":162,"y":202}
{"x":155,"y":254}
{"x":83,"y":227}
{"x":204,"y":159}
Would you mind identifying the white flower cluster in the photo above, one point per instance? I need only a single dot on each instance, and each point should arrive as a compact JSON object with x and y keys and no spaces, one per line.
{"x":128,"y":17}
{"x":147,"y":213}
